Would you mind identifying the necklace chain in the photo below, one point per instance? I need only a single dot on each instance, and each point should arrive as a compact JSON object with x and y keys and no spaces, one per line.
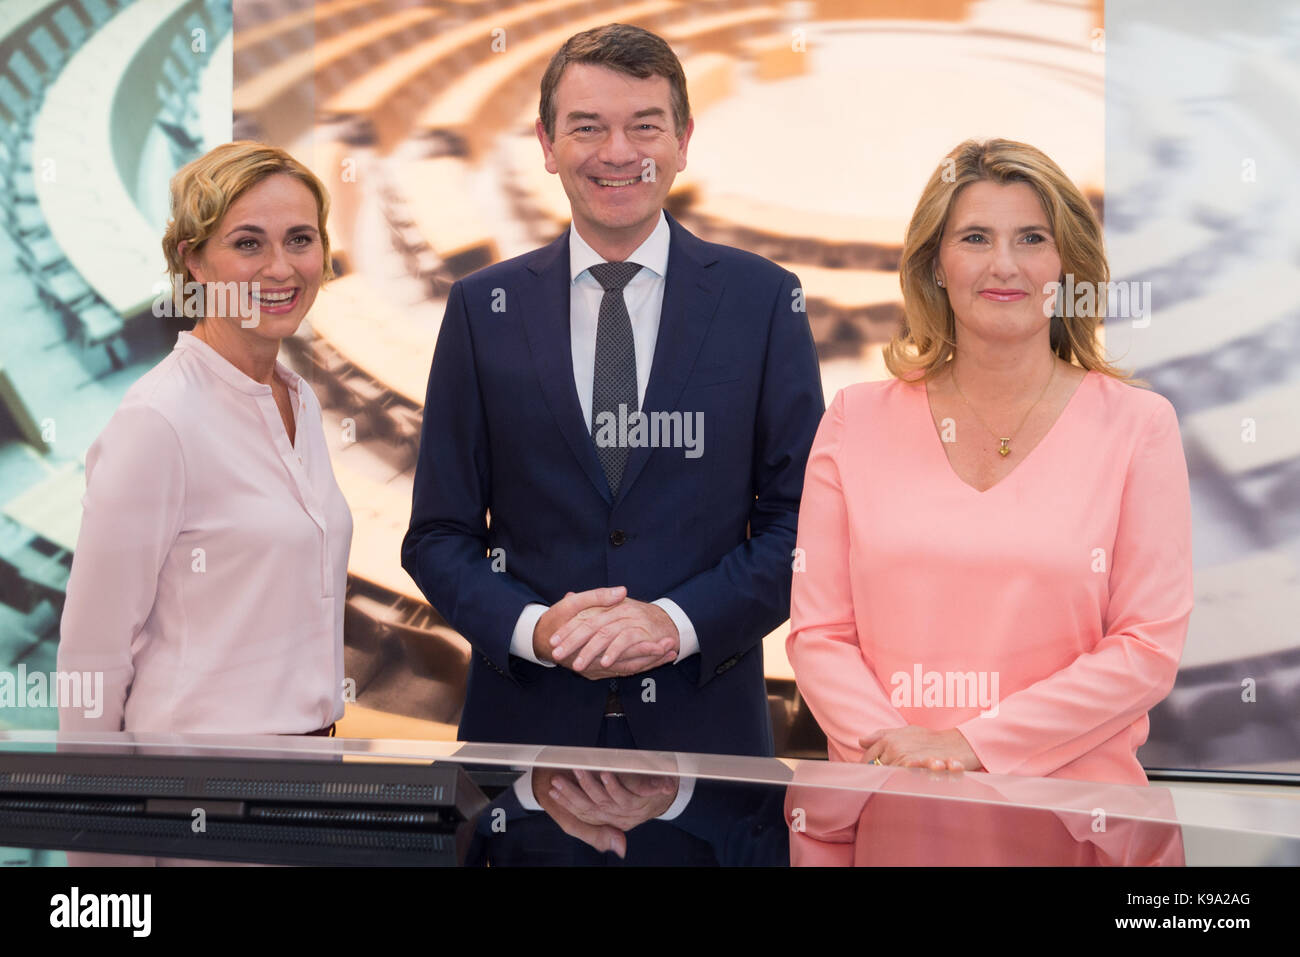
{"x":1004,"y":442}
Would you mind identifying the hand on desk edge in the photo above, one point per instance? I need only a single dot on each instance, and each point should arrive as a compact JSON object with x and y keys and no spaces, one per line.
{"x":916,"y":747}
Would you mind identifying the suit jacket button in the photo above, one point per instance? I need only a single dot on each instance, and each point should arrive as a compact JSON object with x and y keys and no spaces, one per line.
{"x":617,"y":537}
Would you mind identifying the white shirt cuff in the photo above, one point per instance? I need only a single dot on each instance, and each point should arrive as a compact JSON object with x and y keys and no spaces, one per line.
{"x":685,"y":788}
{"x":524,"y":791}
{"x":689,"y":641}
{"x":521,"y":642}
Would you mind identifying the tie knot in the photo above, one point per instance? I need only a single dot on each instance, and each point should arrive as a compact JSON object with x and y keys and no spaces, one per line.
{"x":613,"y":276}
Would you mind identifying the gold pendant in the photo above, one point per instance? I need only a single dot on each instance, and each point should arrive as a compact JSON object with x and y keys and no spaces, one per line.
{"x":1005,"y":449}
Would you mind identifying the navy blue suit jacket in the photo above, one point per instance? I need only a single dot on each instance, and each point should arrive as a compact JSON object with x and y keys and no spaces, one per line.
{"x":504,"y":435}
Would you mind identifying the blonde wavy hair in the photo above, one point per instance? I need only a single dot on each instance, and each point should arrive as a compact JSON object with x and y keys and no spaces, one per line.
{"x":928,"y":338}
{"x":203,"y":191}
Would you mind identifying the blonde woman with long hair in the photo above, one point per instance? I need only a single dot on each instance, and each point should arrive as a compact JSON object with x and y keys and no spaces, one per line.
{"x":997,"y":540}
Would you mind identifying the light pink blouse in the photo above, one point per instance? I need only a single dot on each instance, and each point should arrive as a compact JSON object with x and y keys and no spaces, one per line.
{"x":1042,"y":617}
{"x":209,"y":578}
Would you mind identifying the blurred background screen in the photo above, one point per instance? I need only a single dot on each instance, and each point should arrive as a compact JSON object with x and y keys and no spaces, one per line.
{"x":817,"y":124}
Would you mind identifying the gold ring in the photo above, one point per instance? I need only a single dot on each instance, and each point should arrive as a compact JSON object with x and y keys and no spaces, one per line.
{"x":877,"y":761}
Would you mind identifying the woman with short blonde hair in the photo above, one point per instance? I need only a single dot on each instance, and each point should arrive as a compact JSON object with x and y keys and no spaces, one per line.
{"x":210,"y":573}
{"x":203,"y":190}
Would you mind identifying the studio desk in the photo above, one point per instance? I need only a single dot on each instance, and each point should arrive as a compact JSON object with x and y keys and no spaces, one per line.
{"x":153,"y":799}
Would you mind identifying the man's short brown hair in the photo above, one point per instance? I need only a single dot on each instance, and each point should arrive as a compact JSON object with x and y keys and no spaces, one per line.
{"x":621,"y":47}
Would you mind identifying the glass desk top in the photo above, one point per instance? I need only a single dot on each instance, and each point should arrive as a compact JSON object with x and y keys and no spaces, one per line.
{"x":101,"y":798}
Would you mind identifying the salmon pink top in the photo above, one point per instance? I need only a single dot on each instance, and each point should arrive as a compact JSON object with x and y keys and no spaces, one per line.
{"x":1042,"y":618}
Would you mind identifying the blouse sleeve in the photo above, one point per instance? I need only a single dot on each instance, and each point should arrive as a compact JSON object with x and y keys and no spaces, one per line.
{"x":832,"y":673}
{"x":131,"y":516}
{"x":1064,"y":716}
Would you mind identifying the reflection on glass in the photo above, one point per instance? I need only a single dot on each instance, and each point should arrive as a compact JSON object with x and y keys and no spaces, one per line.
{"x":576,"y":816}
{"x":967,"y":821}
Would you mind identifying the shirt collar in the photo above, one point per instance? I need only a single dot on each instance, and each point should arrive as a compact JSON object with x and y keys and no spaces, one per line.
{"x":651,"y":254}
{"x":225,"y":370}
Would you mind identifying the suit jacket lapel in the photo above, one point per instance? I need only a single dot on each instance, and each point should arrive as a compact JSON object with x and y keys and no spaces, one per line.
{"x":545,"y":295}
{"x":691,"y":295}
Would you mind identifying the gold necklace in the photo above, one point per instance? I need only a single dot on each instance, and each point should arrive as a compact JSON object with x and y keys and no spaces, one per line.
{"x":1004,"y":444}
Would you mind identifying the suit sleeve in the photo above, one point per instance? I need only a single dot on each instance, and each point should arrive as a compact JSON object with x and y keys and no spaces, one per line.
{"x":1132,"y":668}
{"x":445,"y":550}
{"x":832,"y":673}
{"x":734,"y":604}
{"x":131,"y":516}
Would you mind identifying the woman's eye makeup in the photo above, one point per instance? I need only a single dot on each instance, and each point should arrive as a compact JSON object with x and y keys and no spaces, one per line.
{"x":979,"y":239}
{"x":249,"y":243}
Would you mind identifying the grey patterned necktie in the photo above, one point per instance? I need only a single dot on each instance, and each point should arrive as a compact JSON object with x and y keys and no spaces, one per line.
{"x":614,"y":381}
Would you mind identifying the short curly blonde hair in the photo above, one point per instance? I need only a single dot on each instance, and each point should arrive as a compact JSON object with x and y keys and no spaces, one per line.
{"x":203,"y":190}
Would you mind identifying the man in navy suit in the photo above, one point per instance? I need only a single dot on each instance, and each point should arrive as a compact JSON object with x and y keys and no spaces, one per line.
{"x":614,"y":443}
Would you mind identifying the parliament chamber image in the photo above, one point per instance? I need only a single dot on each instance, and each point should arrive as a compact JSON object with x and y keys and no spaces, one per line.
{"x":609,"y":450}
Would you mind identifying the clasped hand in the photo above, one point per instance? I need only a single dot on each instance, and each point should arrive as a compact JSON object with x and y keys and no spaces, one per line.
{"x":599,"y":808}
{"x":602,"y":633}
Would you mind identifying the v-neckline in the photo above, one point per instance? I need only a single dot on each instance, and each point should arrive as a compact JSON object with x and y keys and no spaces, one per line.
{"x":1052,"y":429}
{"x":292,"y":397}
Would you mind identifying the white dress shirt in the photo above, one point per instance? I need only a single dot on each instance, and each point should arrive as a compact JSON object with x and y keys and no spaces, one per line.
{"x":644,"y":296}
{"x":210,"y":574}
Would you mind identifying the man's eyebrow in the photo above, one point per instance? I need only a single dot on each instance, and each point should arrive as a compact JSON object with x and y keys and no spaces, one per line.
{"x":578,"y":115}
